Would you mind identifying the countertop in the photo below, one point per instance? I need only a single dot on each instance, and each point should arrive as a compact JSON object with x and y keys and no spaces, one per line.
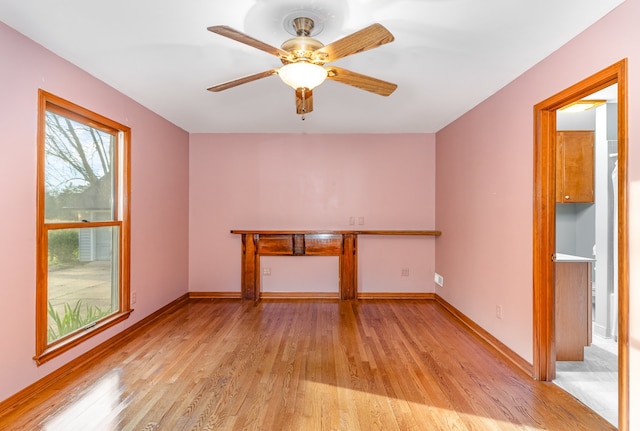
{"x":561,"y":257}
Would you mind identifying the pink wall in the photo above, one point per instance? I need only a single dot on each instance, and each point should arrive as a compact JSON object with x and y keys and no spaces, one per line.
{"x":485,"y":188}
{"x":159,"y":261}
{"x":312,"y":182}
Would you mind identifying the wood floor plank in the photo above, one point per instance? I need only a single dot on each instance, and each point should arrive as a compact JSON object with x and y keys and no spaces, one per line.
{"x":228,"y":364}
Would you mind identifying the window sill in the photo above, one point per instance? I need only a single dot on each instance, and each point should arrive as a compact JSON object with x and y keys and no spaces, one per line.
{"x":73,"y":340}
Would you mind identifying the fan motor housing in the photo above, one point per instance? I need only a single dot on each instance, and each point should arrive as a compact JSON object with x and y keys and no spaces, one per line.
{"x":302,"y":48}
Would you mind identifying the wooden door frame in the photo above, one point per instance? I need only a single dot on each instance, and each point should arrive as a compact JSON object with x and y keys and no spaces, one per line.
{"x":544,"y":229}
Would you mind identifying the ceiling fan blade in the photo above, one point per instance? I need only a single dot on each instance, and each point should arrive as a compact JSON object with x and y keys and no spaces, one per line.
{"x":358,"y":80}
{"x":236,"y":35}
{"x":304,"y":101}
{"x":362,"y":40}
{"x":243,"y":80}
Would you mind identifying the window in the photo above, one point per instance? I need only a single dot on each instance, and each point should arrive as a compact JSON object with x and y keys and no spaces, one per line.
{"x":82,"y":282}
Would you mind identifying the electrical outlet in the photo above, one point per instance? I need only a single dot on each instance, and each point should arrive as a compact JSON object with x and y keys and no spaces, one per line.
{"x":438,"y":279}
{"x":404,"y":272}
{"x":498,"y":311}
{"x":361,"y":220}
{"x":352,"y":220}
{"x":266,"y":271}
{"x":134,"y":297}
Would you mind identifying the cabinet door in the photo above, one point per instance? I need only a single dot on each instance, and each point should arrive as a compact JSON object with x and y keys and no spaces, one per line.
{"x":572,"y":309}
{"x":574,"y":167}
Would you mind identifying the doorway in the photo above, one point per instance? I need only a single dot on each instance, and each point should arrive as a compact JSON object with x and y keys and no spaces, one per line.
{"x":586,"y":226}
{"x":544,"y":355}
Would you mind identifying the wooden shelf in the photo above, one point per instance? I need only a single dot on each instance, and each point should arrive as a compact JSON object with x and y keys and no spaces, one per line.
{"x":291,"y":232}
{"x":399,"y":232}
{"x":338,"y":232}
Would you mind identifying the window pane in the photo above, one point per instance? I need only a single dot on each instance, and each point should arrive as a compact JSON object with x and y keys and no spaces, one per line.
{"x":82,"y":278}
{"x":78,"y":166}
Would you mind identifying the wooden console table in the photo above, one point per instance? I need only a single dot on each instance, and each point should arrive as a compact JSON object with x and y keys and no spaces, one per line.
{"x":342,"y":243}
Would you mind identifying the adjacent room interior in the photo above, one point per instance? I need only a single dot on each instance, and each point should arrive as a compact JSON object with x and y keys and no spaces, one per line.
{"x":366,"y":244}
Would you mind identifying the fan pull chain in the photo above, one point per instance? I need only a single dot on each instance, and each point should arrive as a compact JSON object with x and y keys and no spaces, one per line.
{"x":303,"y":104}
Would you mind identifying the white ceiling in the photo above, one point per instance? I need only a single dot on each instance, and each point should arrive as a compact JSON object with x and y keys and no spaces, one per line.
{"x":448,"y":56}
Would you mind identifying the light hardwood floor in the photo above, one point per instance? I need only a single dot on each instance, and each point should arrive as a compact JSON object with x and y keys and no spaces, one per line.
{"x":302,"y":365}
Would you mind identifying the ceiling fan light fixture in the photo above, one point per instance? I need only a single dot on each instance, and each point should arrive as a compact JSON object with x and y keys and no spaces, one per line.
{"x":302,"y":75}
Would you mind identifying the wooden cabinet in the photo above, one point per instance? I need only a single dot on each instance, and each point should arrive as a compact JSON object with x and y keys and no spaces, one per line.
{"x":573,"y":309}
{"x":574,"y":166}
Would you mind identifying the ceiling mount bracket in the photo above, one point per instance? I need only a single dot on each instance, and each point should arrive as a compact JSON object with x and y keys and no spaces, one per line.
{"x":303,"y":23}
{"x":303,"y":26}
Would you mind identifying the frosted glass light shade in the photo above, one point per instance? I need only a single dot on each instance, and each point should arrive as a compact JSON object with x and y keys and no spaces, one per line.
{"x":302,"y":75}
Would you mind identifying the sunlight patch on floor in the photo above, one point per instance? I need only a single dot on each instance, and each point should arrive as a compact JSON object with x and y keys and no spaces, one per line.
{"x":99,"y":406}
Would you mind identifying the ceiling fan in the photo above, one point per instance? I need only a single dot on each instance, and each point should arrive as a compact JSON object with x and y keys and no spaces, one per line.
{"x":304,"y":59}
